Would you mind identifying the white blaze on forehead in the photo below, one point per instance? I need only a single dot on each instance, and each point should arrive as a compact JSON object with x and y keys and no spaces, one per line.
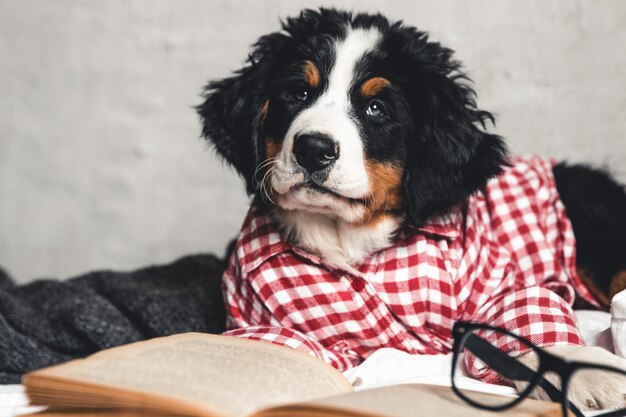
{"x":349,"y":175}
{"x":330,"y":114}
{"x":348,"y":52}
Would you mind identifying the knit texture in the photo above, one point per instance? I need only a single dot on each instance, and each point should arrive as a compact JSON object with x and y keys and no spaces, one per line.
{"x":49,"y":321}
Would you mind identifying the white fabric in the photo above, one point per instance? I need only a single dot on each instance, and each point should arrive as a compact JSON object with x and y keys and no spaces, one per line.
{"x":618,"y":323}
{"x":595,"y":328}
{"x":391,"y":366}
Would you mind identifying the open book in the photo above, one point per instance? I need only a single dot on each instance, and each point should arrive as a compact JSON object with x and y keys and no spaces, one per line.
{"x":201,"y":375}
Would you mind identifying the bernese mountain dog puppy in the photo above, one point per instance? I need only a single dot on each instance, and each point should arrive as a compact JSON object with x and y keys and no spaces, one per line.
{"x":384,"y":210}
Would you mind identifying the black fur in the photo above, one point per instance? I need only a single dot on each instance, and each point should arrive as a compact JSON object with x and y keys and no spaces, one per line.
{"x":433,"y":129}
{"x":230,"y":113}
{"x":449,"y":154}
{"x":596,"y":206}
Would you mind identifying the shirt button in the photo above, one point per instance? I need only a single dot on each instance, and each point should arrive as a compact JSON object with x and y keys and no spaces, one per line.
{"x":358,"y":284}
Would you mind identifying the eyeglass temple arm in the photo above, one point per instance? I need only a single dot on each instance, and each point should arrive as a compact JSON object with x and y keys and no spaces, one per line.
{"x":510,"y":368}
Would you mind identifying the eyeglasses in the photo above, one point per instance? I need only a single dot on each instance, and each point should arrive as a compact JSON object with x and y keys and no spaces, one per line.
{"x":475,"y":344}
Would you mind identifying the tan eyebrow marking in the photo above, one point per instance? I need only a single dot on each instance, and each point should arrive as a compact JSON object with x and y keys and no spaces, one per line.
{"x":374,"y":86}
{"x":311,"y":74}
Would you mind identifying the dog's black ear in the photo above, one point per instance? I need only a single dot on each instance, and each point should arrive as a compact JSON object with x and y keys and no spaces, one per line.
{"x":233,"y":109}
{"x":450,"y":156}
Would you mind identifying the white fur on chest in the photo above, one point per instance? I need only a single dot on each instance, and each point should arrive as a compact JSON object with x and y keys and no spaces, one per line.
{"x":337,"y":242}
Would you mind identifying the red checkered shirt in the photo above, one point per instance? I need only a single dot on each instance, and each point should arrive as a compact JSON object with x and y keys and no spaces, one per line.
{"x":506,"y":257}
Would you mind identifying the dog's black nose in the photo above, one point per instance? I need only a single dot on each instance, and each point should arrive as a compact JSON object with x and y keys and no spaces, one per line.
{"x":315,"y":151}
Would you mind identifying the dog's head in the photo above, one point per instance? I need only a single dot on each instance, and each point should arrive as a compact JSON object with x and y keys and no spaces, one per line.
{"x":352,"y":117}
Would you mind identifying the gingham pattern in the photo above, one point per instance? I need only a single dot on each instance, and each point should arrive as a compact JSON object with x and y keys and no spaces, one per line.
{"x":506,"y":257}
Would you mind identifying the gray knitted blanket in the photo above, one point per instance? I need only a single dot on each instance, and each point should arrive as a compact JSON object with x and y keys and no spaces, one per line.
{"x":48,"y":321}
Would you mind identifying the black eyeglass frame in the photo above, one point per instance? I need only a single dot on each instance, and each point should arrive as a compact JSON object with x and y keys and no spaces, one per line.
{"x":462,"y":330}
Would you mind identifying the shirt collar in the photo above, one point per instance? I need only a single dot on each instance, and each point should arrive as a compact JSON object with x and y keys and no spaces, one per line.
{"x":446,"y":225}
{"x":262,"y":239}
{"x":259,"y":239}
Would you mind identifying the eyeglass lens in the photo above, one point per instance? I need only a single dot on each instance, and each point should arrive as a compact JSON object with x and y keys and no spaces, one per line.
{"x":482,"y":359}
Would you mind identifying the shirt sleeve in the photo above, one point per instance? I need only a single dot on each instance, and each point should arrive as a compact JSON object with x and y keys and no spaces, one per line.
{"x":536,"y":314}
{"x":291,"y":338}
{"x":248,"y":317}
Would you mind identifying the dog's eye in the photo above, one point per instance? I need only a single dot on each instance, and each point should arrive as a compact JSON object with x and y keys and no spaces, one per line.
{"x":301,"y":94}
{"x":375,"y":109}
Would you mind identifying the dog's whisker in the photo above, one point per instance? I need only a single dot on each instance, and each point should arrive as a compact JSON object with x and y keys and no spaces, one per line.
{"x":264,"y":164}
{"x":263,"y":186}
{"x":260,"y":167}
{"x":264,"y":189}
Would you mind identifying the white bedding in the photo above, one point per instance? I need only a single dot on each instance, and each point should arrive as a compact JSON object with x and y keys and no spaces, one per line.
{"x":390,"y":366}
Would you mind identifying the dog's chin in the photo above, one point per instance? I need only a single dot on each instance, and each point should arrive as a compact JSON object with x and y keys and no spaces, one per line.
{"x":314,"y":198}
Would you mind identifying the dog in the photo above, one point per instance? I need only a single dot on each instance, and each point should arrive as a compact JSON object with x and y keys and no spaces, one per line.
{"x":384,"y":209}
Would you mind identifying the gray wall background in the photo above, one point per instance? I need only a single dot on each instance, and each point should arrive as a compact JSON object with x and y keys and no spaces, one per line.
{"x":100,"y":161}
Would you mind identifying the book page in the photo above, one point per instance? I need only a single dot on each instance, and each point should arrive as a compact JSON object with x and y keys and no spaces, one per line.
{"x":411,"y":400}
{"x":226,"y":375}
